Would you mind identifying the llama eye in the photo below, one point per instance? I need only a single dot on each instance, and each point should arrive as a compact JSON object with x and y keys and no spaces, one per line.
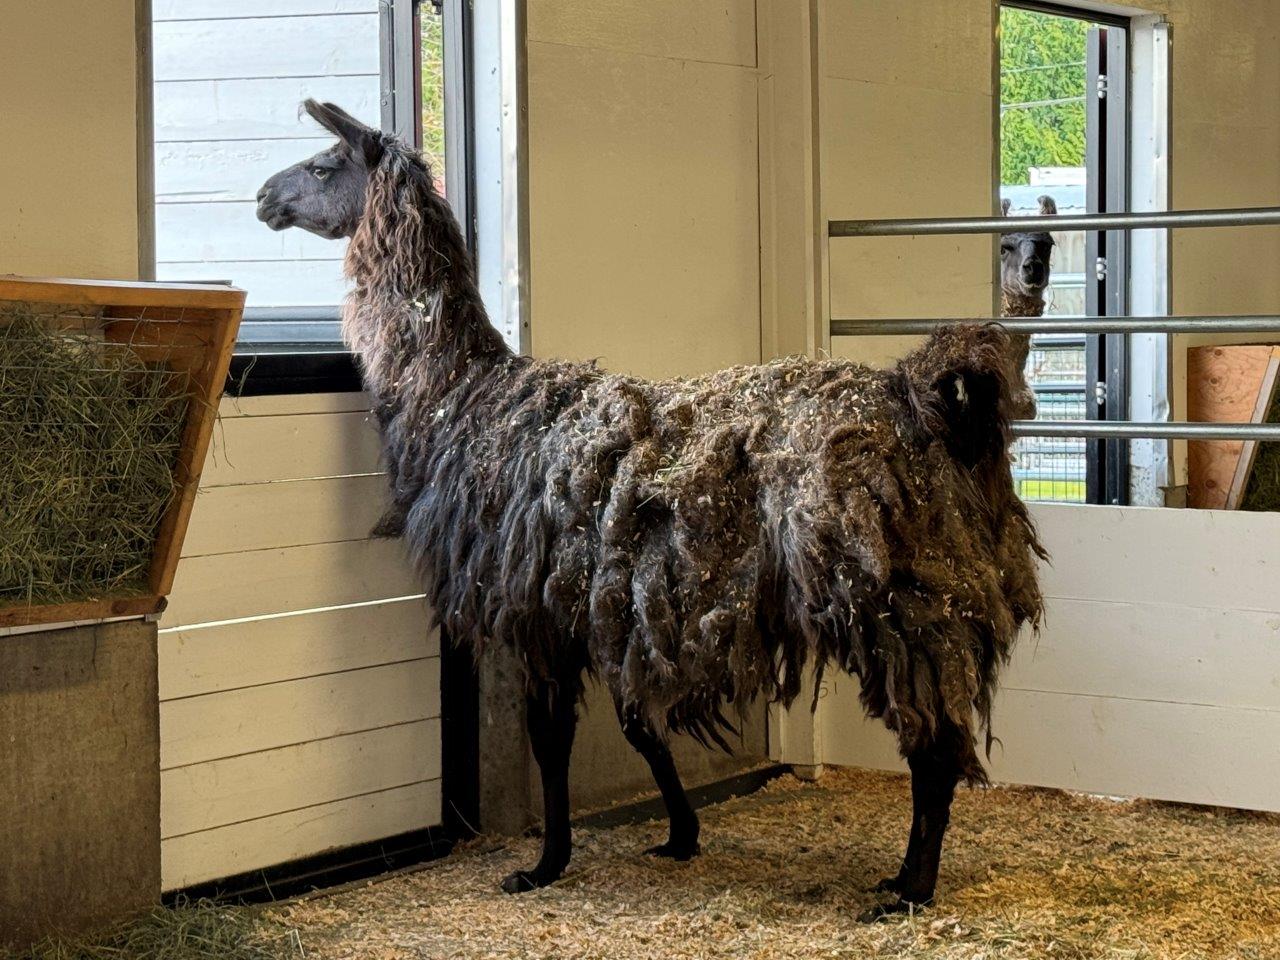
{"x":320,"y":173}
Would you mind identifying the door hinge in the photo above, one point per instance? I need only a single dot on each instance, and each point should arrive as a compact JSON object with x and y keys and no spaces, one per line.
{"x":1100,"y":268}
{"x":1102,"y":86}
{"x":1100,"y":393}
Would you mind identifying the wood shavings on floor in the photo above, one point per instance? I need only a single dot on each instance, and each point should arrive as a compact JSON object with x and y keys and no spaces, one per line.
{"x":785,"y":872}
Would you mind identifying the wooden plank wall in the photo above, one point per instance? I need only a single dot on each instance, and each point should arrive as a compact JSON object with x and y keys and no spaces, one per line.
{"x":299,"y":686}
{"x":1157,"y":673}
{"x":229,"y":76}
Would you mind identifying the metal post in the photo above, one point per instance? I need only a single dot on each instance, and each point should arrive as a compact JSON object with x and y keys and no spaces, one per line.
{"x":1127,"y":429}
{"x":1244,"y":217}
{"x":1046,"y":325}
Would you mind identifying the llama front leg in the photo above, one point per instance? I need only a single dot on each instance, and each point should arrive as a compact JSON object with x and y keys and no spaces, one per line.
{"x":682,"y":842}
{"x":934,"y":775}
{"x":553,"y":718}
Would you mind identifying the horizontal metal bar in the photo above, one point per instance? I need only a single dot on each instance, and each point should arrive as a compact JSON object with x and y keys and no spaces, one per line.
{"x":1225,"y":324}
{"x":1127,"y":429}
{"x":1244,"y":217}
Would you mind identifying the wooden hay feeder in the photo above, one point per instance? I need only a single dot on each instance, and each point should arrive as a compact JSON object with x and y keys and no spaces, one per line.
{"x":178,"y":335}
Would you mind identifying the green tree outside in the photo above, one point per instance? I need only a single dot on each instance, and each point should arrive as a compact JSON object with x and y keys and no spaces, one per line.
{"x":433,"y":90}
{"x":1041,"y":58}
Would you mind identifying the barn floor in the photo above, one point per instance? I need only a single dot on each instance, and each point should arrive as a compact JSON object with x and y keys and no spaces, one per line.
{"x":785,"y":872}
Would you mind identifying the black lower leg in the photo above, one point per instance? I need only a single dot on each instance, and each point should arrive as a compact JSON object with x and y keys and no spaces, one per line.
{"x":552,"y":717}
{"x":934,"y":775}
{"x":682,"y":843}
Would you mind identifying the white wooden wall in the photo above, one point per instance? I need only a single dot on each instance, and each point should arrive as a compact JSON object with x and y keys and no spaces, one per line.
{"x":229,"y":76}
{"x":1157,"y":673}
{"x":299,"y":687}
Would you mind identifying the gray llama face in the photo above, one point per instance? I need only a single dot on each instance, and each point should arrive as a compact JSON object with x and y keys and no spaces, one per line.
{"x":1024,"y":263}
{"x":324,"y":194}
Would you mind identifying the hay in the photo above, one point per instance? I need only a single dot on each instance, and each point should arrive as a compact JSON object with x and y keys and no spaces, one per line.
{"x":89,"y":438}
{"x":785,"y":872}
{"x":197,"y":931}
{"x":1262,"y":488}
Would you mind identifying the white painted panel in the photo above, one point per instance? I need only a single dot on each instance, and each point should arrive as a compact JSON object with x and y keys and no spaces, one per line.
{"x":226,"y":170}
{"x":1225,"y":658}
{"x":292,"y":447}
{"x":315,"y":46}
{"x":261,"y":582}
{"x":289,"y":404}
{"x":229,"y":231}
{"x":256,"y":109}
{"x":1183,"y":752}
{"x":263,"y":515}
{"x":250,"y":653}
{"x":209,"y":795}
{"x":282,"y":283}
{"x":214,"y":9}
{"x":213,"y":854}
{"x":237,"y":722}
{"x":1205,"y":558}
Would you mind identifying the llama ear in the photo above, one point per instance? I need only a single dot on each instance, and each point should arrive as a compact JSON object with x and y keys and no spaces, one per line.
{"x":1005,"y":206}
{"x":365,"y":141}
{"x":1048,"y":206}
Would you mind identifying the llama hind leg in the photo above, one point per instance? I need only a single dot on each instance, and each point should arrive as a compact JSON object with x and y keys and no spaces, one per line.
{"x":935,"y":771}
{"x":553,"y":718}
{"x":682,"y":842}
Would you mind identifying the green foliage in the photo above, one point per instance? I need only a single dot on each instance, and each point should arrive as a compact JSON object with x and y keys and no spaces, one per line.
{"x":1041,"y":58}
{"x":433,"y":90}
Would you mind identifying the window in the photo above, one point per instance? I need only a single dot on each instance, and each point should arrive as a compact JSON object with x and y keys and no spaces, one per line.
{"x":1064,"y":135}
{"x":229,"y":76}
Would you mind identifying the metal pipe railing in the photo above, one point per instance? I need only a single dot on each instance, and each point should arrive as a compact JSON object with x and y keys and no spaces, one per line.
{"x":1258,"y":323}
{"x":952,"y":226}
{"x":1132,"y":430}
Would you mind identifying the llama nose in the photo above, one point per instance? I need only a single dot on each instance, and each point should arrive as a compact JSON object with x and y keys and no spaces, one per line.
{"x":264,"y":193}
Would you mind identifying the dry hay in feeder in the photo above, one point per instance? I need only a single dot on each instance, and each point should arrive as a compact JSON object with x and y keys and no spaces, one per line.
{"x":1027,"y":875}
{"x":1262,"y":491}
{"x":194,"y":931}
{"x":89,"y":439}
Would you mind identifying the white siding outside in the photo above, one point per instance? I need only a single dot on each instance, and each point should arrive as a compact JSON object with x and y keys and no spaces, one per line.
{"x":229,"y":78}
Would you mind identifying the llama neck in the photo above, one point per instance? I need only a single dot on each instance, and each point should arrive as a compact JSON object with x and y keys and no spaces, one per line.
{"x":1013,"y":304}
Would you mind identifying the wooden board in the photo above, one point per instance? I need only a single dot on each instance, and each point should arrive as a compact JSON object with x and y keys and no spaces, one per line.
{"x":289,"y":404}
{"x":248,"y":653}
{"x":1267,"y":394}
{"x":292,"y":447}
{"x":256,"y":109}
{"x":216,"y":230}
{"x":212,"y":854}
{"x":297,"y":283}
{"x":252,"y":719}
{"x":204,"y":171}
{"x":1223,"y":386}
{"x":206,"y":796}
{"x":163,"y":10}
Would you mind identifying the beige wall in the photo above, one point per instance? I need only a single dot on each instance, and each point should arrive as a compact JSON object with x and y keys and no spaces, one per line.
{"x":69,"y":170}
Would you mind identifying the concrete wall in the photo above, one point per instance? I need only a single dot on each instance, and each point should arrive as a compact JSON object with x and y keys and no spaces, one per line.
{"x":79,"y":779}
{"x":69,"y":170}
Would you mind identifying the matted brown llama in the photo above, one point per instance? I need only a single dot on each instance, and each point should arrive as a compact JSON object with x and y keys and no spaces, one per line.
{"x":693,"y":544}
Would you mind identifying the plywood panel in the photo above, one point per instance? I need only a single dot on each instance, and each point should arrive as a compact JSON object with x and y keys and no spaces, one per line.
{"x":314,"y":46}
{"x":713,"y":31}
{"x":230,"y":231}
{"x":271,"y":283}
{"x":213,"y":854}
{"x":643,"y":211}
{"x":215,"y":9}
{"x":211,"y":170}
{"x":263,"y":515}
{"x":269,"y":650}
{"x":256,"y":109}
{"x":205,"y":796}
{"x":219,"y":725}
{"x":1190,"y":753}
{"x":232,"y":585}
{"x":291,"y":447}
{"x":1203,"y":558}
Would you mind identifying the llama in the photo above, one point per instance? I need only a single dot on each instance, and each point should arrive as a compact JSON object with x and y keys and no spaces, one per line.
{"x":693,"y":544}
{"x":1024,"y":278}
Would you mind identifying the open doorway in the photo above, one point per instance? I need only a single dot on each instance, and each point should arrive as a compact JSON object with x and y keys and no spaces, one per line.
{"x":1064,"y":149}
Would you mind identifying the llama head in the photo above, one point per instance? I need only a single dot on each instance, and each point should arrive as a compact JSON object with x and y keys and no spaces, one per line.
{"x":325,"y":194}
{"x":1024,"y":256}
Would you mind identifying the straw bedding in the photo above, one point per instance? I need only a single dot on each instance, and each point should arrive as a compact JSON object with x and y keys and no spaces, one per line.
{"x":1030,"y":874}
{"x":89,"y":436}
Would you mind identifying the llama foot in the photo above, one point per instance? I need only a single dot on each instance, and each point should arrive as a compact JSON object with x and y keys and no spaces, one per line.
{"x":883,"y":911}
{"x":675,"y":850}
{"x":522,"y":881}
{"x":889,"y":885}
